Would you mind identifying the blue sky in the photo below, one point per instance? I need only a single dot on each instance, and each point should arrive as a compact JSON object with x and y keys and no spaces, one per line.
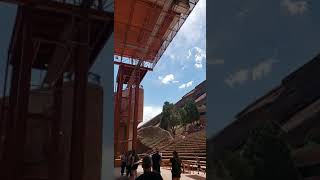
{"x":182,"y":66}
{"x":259,"y":42}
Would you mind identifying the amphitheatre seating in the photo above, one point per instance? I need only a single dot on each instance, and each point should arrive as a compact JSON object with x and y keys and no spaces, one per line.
{"x":153,"y":137}
{"x":189,"y":148}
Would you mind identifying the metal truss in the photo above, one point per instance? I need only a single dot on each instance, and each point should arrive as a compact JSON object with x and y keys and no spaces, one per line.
{"x":172,"y":32}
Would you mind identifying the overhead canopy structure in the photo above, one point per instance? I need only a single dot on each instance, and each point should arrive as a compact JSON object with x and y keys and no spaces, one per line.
{"x":145,"y":28}
{"x":55,"y":28}
{"x":57,"y":36}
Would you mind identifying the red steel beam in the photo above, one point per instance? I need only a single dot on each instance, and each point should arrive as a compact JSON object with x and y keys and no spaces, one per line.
{"x":63,"y":8}
{"x":130,"y":65}
{"x":129,"y":118}
{"x":81,"y":62}
{"x":15,"y":140}
{"x":55,"y":156}
{"x":118,"y":109}
{"x":6,"y":162}
{"x":136,"y":108}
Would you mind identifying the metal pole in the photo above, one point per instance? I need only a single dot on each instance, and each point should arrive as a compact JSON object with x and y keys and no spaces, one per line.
{"x":129,"y":118}
{"x":3,"y":105}
{"x":81,"y":62}
{"x":136,"y":108}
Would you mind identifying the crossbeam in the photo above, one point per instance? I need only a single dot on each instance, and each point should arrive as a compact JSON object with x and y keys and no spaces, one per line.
{"x":63,"y":8}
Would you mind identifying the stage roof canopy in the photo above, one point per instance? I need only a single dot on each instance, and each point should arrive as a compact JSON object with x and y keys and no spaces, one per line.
{"x":145,"y":28}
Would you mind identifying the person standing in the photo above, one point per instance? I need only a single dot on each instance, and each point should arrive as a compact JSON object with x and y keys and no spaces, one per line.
{"x":198,"y":163}
{"x":134,"y":163}
{"x":123,"y":162}
{"x":128,"y":164}
{"x":147,"y":173}
{"x":175,"y":166}
{"x":156,"y":161}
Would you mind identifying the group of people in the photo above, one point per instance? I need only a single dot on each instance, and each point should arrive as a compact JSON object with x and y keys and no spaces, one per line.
{"x":150,"y":164}
{"x":130,"y":163}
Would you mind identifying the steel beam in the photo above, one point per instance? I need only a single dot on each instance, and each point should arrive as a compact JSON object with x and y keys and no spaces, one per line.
{"x":55,"y":157}
{"x":63,"y":8}
{"x":118,"y":109}
{"x":12,"y":164}
{"x":129,"y":118}
{"x":136,"y":108}
{"x":81,"y":62}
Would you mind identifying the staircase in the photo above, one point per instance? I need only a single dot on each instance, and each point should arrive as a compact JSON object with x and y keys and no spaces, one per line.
{"x":188,"y":148}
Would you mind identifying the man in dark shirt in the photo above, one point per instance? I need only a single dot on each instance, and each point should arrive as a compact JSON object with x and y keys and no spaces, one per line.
{"x":147,"y":173}
{"x":156,"y":161}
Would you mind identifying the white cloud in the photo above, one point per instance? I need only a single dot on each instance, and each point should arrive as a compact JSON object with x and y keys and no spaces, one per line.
{"x":192,"y":32}
{"x":150,"y":112}
{"x":172,"y":56}
{"x":194,"y":27}
{"x":257,"y":72}
{"x":189,"y":54}
{"x":166,"y":79}
{"x":262,"y":69}
{"x":238,"y":77}
{"x":200,"y":57}
{"x":216,"y":61}
{"x":186,"y":85}
{"x":295,"y":7}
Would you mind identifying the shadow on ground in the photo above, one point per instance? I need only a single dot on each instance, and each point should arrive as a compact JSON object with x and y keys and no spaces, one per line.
{"x":196,"y":177}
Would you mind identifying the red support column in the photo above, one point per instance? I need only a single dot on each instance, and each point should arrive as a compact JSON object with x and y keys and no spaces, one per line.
{"x":136,"y":107}
{"x":15,"y":60}
{"x":18,"y":114}
{"x":55,"y":158}
{"x":129,"y":117}
{"x":81,"y":62}
{"x":118,"y":111}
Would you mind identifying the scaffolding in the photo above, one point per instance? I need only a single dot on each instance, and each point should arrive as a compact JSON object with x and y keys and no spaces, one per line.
{"x":59,"y":37}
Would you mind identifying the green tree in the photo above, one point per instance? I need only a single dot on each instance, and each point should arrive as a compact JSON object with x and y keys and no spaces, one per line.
{"x":170,"y":118}
{"x":183,"y":117}
{"x":269,"y":154}
{"x":238,"y":166}
{"x":165,"y":116}
{"x":192,"y":113}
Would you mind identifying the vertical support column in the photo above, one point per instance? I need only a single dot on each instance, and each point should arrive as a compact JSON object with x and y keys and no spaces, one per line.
{"x":55,"y":150}
{"x":81,"y":62}
{"x":136,"y":107}
{"x":4,"y":105}
{"x":129,"y":118}
{"x":18,"y":100}
{"x":118,"y":111}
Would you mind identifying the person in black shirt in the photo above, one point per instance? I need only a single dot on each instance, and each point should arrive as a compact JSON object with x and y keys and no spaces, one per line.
{"x":123,"y":158}
{"x":175,"y":166}
{"x":134,"y":163}
{"x":128,"y":164}
{"x":147,"y":173}
{"x":156,"y":161}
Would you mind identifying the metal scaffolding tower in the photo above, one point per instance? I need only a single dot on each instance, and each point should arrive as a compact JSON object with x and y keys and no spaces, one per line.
{"x":59,"y":37}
